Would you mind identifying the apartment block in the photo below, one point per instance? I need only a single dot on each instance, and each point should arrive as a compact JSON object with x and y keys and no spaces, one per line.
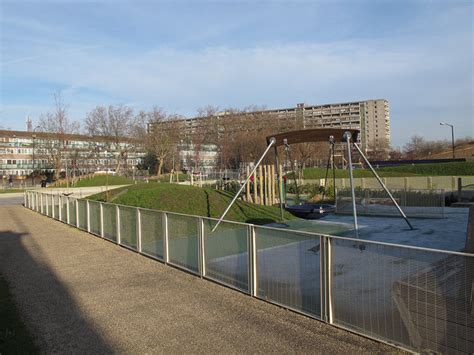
{"x":22,"y":152}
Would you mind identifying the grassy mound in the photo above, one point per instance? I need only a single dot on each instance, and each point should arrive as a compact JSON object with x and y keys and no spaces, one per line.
{"x":192,"y":200}
{"x":441,"y":169}
{"x":101,"y":180}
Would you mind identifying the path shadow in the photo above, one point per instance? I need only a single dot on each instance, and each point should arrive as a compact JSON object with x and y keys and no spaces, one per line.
{"x":48,"y":308}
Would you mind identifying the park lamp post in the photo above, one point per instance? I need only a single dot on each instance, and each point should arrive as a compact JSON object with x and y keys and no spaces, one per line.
{"x":452,"y":134}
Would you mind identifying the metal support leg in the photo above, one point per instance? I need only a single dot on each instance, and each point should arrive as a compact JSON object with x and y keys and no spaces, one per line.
{"x":280,"y":193}
{"x":166,"y":254}
{"x":272,"y":142}
{"x":253,"y":284}
{"x":383,"y":185}
{"x":347,"y":137}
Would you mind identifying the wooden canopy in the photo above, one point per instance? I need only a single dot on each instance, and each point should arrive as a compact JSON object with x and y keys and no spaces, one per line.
{"x":313,"y":135}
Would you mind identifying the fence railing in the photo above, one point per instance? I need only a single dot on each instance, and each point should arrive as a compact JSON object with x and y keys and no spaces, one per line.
{"x":415,"y":298}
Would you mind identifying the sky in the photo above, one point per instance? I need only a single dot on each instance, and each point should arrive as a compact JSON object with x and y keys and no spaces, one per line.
{"x":184,"y":55}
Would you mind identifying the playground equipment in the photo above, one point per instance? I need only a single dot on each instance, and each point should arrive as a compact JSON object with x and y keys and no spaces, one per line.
{"x":331,"y":135}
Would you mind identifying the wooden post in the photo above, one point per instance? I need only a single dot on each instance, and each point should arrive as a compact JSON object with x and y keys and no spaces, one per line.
{"x":406,"y":183}
{"x":459,"y":189}
{"x":429,"y":183}
{"x":260,"y":179}
{"x":255,"y":187}
{"x":265,"y":188}
{"x":273,"y":184}
{"x":247,"y":195}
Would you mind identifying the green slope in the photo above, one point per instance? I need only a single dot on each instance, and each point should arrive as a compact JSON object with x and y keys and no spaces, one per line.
{"x":101,"y":180}
{"x":191,"y":200}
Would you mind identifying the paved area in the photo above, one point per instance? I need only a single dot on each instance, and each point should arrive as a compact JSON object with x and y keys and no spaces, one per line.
{"x":79,"y":293}
{"x":11,"y":199}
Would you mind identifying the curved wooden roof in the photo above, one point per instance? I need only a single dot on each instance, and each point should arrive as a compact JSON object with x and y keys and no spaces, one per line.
{"x":313,"y":135}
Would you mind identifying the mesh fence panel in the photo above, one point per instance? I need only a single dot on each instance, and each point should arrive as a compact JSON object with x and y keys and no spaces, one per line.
{"x":288,"y":270}
{"x":415,"y":298}
{"x":226,"y":253}
{"x":72,"y":212}
{"x":152,"y":233}
{"x":94,"y":215}
{"x":82,"y":207}
{"x":128,"y":226}
{"x":110,"y":221}
{"x":183,"y":241}
{"x":370,"y":202}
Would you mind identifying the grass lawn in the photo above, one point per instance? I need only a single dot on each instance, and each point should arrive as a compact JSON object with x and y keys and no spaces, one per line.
{"x":14,"y":337}
{"x":11,"y":191}
{"x":442,"y":169}
{"x":101,"y":180}
{"x":191,"y":200}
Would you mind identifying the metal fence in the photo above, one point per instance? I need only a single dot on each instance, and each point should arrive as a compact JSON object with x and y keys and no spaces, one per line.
{"x":376,"y":202}
{"x":415,"y":298}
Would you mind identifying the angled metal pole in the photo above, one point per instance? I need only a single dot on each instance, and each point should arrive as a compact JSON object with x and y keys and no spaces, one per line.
{"x":272,"y":142}
{"x":347,"y":137}
{"x":384,"y":187}
{"x":280,"y":194}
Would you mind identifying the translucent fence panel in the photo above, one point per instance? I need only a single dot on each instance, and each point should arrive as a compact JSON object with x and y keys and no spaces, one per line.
{"x":63,"y":202}
{"x":43,"y":200}
{"x":49,"y":201}
{"x":110,"y":221}
{"x":183,"y":241}
{"x":56,"y":206}
{"x":288,"y":269}
{"x":152,"y":233}
{"x":72,"y":211}
{"x":82,"y":207}
{"x":94,"y":215}
{"x":128,"y":226}
{"x":226,"y":253}
{"x":415,"y":298}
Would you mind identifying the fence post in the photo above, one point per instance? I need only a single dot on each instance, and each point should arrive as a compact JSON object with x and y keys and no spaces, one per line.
{"x":76,"y":205}
{"x":166,"y":254}
{"x":67,"y":210}
{"x":101,"y":209}
{"x":252,"y":248}
{"x":60,"y":208}
{"x":117,"y":221}
{"x":139,"y":230}
{"x":326,"y":279}
{"x":202,"y":256}
{"x":53,"y":212}
{"x":88,"y":214}
{"x":406,"y":184}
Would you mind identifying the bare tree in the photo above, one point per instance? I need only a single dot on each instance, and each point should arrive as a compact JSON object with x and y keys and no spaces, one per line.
{"x":117,"y":125}
{"x":56,"y":125}
{"x":163,"y":136}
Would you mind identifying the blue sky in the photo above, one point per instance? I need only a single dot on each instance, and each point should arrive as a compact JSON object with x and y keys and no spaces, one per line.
{"x":183,"y":55}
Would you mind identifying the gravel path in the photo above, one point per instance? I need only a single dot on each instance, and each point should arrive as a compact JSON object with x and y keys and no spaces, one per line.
{"x":79,"y":293}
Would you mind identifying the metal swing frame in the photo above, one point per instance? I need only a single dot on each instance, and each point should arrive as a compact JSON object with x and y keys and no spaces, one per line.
{"x":333,"y":135}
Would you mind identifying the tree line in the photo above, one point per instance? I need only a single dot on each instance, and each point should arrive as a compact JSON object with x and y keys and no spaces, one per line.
{"x":238,"y":136}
